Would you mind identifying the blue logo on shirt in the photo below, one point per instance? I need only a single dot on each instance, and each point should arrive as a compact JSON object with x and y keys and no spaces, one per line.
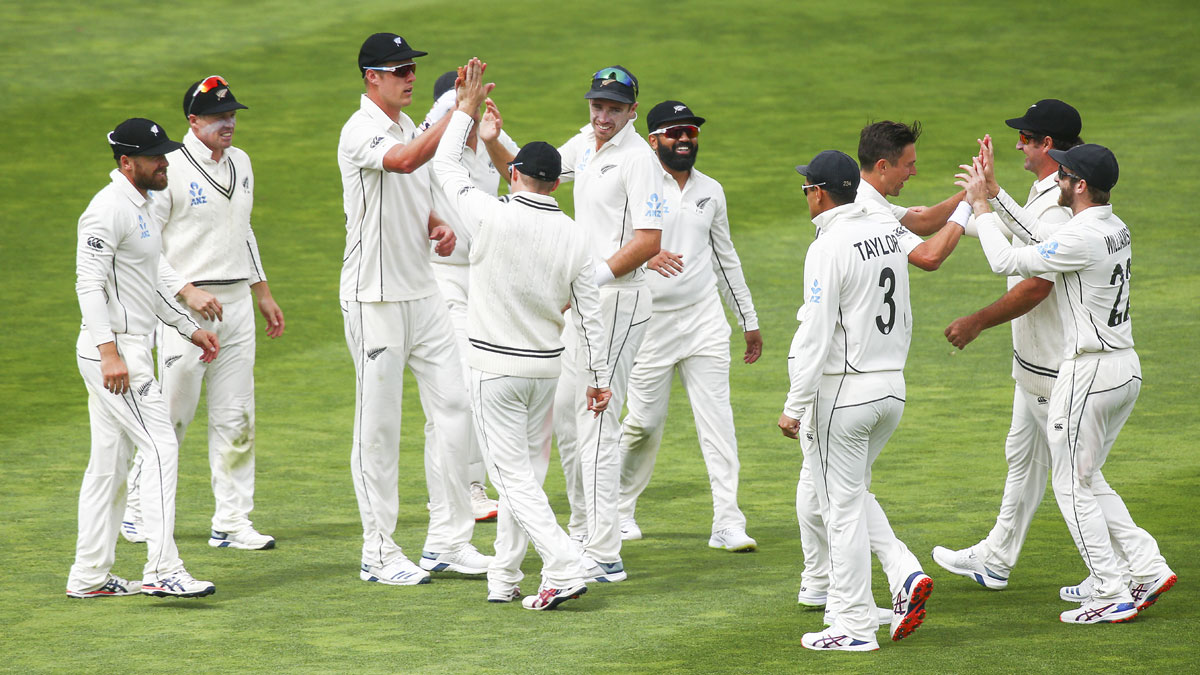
{"x":655,"y":207}
{"x":583,"y":161}
{"x":145,"y":230}
{"x":197,"y":193}
{"x":1048,"y":249}
{"x":814,"y":293}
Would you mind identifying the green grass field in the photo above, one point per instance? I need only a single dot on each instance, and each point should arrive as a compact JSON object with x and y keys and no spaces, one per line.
{"x":778,"y":82}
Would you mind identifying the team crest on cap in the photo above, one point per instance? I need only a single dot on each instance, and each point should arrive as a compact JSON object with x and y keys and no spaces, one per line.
{"x":399,"y":41}
{"x":680,"y":108}
{"x":221,"y":93}
{"x":154,"y":129}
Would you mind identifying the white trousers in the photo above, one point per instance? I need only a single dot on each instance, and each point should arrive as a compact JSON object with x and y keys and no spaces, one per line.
{"x":588,"y":446}
{"x":137,"y":418}
{"x":851,"y":422}
{"x":1028,"y":455}
{"x":510,"y":421}
{"x":453,"y":282}
{"x":693,"y":341}
{"x":1092,"y":398}
{"x":229,"y":381}
{"x":383,"y":337}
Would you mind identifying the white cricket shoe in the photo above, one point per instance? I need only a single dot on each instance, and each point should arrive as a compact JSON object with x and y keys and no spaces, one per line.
{"x":247,"y":539}
{"x":132,"y":530}
{"x":466,"y":560}
{"x":549,"y":598}
{"x":400,"y":572}
{"x":630,"y":530}
{"x":965,"y":563}
{"x":811,"y":598}
{"x":908,"y":606}
{"x":603,"y":572}
{"x":483,"y":507}
{"x":1146,"y":591}
{"x":1099,"y":611}
{"x":835,"y":640}
{"x":1081,"y":592}
{"x":112,"y":586}
{"x":883,"y":617}
{"x":732,"y":539}
{"x":179,"y":585}
{"x":503,"y":594}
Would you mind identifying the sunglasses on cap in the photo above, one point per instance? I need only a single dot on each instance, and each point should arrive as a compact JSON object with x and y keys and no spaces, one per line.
{"x":402,"y":70}
{"x":1028,"y":137}
{"x":618,"y":75}
{"x":1063,"y":174}
{"x":206,"y":85}
{"x":814,"y":186}
{"x":676,"y":131}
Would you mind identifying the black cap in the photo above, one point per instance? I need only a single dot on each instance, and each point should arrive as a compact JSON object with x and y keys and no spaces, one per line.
{"x":539,"y":160}
{"x":381,"y":48}
{"x":1049,"y":116}
{"x":835,"y":169}
{"x":614,"y":83}
{"x":1094,"y":163}
{"x":668,"y":112}
{"x":444,"y":83}
{"x":209,"y":96}
{"x":140,"y":136}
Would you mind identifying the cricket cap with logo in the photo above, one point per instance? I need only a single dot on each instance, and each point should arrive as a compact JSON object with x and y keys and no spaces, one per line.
{"x":540,"y":160}
{"x":835,"y":169}
{"x":140,"y":136}
{"x":1049,"y":116}
{"x":671,"y":112}
{"x":209,"y":96}
{"x":1094,"y":163}
{"x":614,"y":83}
{"x":383,"y":48}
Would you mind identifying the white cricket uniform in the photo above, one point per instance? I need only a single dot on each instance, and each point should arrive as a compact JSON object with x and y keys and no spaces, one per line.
{"x":527,"y":262}
{"x":208,"y":241}
{"x":451,"y":273}
{"x":846,"y":365}
{"x":618,"y":189}
{"x":1037,"y":349}
{"x":1098,"y":382}
{"x":395,"y":317}
{"x":122,"y":299}
{"x":814,"y":544}
{"x":687,"y":333}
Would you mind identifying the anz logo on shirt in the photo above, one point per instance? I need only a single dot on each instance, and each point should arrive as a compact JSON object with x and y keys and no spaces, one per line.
{"x":1048,"y":249}
{"x":814,"y":293}
{"x":143,"y":228}
{"x":197,"y":193}
{"x":655,"y":207}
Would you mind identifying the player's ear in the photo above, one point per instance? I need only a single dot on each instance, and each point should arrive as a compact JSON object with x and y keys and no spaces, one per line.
{"x":881,"y":164}
{"x":556,"y":183}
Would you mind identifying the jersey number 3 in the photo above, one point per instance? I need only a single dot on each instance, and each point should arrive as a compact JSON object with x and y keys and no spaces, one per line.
{"x":887,"y":281}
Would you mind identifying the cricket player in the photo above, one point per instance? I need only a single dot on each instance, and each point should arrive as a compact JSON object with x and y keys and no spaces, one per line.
{"x":1098,"y":380}
{"x":687,"y":332}
{"x":618,"y":200}
{"x":846,"y":365}
{"x":394,"y":317}
{"x":121,"y":298}
{"x":528,"y":261}
{"x":211,"y":260}
{"x":1037,"y":335}
{"x":452,"y":274}
{"x":887,"y":151}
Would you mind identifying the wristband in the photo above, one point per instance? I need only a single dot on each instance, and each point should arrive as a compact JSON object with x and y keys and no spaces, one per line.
{"x":961,"y":213}
{"x":604,"y":274}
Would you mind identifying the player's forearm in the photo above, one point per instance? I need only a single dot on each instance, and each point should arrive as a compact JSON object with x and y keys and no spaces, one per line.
{"x":933,"y":252}
{"x":414,"y":154}
{"x":931,"y":219}
{"x":644,"y":245}
{"x":1018,"y":301}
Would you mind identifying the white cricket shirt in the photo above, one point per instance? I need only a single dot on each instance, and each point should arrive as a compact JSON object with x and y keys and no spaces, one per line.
{"x":387,"y":214}
{"x":696,"y":226}
{"x":1038,"y":334}
{"x":869,"y":197}
{"x":1092,"y":254}
{"x":116,"y":267}
{"x":618,"y":189}
{"x":528,"y":261}
{"x":485,"y":177}
{"x":205,"y":216}
{"x":856,"y":316}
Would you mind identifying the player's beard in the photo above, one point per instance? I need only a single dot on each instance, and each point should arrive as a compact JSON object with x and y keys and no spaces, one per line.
{"x":677,"y":162}
{"x":1065,"y":197}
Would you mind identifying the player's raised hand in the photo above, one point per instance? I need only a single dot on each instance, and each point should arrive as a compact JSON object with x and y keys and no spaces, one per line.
{"x":470,"y":88}
{"x":987,"y":160}
{"x":974,"y":183}
{"x":666,"y":263}
{"x":206,"y":340}
{"x":597,"y":399}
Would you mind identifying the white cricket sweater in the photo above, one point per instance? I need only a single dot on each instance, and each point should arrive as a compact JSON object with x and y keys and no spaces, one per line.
{"x":529,"y":260}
